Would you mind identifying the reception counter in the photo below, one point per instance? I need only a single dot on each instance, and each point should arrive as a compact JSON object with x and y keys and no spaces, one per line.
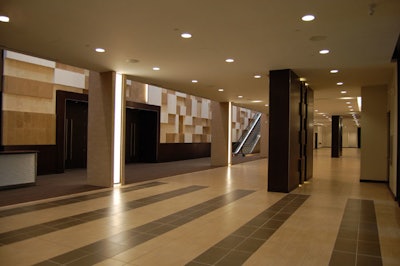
{"x":17,"y":168}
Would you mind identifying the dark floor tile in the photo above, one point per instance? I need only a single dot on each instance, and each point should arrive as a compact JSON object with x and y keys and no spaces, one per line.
{"x":88,"y":260}
{"x":212,"y":255}
{"x":273,"y":224}
{"x":13,"y":239}
{"x":230,"y":242}
{"x":346,"y":245}
{"x":281,"y":216}
{"x":368,"y":236}
{"x":244,"y":231}
{"x":162,"y":229}
{"x":368,"y":260}
{"x":234,"y":258}
{"x":250,"y":245}
{"x":345,"y":233}
{"x":70,"y":256}
{"x":263,"y":233}
{"x":369,"y":248}
{"x":367,"y":226}
{"x":342,"y":259}
{"x":147,"y":227}
{"x":256,"y":222}
{"x":47,"y":263}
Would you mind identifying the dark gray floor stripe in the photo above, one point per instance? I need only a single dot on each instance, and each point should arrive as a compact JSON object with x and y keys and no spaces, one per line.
{"x":357,"y":242}
{"x":109,"y":247}
{"x":56,"y":203}
{"x":62,"y":223}
{"x":236,"y":248}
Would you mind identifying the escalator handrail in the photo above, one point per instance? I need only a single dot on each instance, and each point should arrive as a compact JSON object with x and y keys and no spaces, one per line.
{"x":239,"y":147}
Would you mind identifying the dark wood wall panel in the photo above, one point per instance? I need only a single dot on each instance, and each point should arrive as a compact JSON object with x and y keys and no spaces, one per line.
{"x":290,"y":132}
{"x":336,"y":150}
{"x":182,"y":151}
{"x":310,"y":134}
{"x":278,"y":162}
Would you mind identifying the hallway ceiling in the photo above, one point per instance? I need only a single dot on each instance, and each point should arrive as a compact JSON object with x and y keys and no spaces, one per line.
{"x":259,"y":35}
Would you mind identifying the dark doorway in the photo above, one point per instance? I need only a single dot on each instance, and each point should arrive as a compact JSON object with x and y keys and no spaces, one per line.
{"x":141,"y":135}
{"x":76,"y":120}
{"x":316,"y":141}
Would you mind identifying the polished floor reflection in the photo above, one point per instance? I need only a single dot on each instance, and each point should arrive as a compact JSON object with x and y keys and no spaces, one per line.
{"x":220,"y":216}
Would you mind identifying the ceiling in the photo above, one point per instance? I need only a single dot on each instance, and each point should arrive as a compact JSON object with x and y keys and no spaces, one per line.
{"x":260,"y":35}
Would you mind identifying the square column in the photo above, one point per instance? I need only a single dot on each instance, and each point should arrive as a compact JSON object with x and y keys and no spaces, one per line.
{"x":221,"y":144}
{"x":336,"y":147}
{"x":100,"y":161}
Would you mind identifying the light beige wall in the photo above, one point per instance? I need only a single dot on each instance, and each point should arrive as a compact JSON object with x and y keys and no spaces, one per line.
{"x":29,"y":106}
{"x":393,"y":106}
{"x":374,"y":133}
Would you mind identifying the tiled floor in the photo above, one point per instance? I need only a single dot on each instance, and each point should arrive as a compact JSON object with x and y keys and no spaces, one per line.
{"x":220,"y":216}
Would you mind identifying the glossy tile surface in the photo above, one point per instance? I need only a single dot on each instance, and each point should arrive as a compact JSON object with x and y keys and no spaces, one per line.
{"x":220,"y":216}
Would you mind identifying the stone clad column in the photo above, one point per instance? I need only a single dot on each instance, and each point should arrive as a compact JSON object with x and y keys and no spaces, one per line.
{"x":100,"y":129}
{"x":221,"y":144}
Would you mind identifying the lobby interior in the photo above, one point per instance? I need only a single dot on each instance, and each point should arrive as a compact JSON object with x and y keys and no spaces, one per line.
{"x":199,"y":73}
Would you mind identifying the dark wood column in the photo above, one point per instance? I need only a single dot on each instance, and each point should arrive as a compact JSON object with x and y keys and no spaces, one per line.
{"x":336,"y":148}
{"x":1,"y":96}
{"x":284,"y":162}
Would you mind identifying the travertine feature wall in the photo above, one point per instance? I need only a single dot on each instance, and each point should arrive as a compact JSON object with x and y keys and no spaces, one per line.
{"x":29,"y":104}
{"x":184,"y":118}
{"x":241,"y":118}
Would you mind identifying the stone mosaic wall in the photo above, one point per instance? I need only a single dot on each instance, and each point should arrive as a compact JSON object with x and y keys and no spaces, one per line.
{"x":30,"y":85}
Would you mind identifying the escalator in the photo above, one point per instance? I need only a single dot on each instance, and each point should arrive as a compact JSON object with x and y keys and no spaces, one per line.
{"x":250,"y":137}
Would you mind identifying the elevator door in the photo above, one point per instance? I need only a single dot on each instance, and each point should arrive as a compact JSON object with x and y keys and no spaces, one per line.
{"x":132,"y":136}
{"x":75,"y":153}
{"x":141,"y":138}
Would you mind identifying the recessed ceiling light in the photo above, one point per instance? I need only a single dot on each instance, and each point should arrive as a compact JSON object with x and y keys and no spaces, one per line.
{"x":351,"y":110}
{"x":334,"y":71}
{"x":266,"y":105}
{"x":348,"y":102}
{"x":220,"y":89}
{"x":350,"y":106}
{"x":308,"y":18}
{"x":240,"y":96}
{"x":4,"y":19}
{"x":230,"y":60}
{"x":303,"y":79}
{"x":316,"y":110}
{"x":186,"y":35}
{"x":339,"y":83}
{"x":343,"y":92}
{"x":156,"y":68}
{"x":100,"y":50}
{"x":194,"y":81}
{"x":257,"y":76}
{"x":256,"y":101}
{"x":324,"y":51}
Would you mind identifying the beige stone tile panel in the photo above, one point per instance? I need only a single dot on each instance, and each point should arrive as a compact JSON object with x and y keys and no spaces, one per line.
{"x":70,"y":68}
{"x":19,"y":69}
{"x":19,"y":103}
{"x":58,"y":87}
{"x":28,"y":87}
{"x":23,"y":128}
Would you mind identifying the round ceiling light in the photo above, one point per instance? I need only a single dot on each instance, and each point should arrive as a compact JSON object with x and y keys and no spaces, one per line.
{"x":186,"y":35}
{"x":100,"y":50}
{"x":334,"y":71}
{"x":230,"y":60}
{"x":156,"y":68}
{"x":324,"y":51}
{"x":308,"y":17}
{"x":4,"y":19}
